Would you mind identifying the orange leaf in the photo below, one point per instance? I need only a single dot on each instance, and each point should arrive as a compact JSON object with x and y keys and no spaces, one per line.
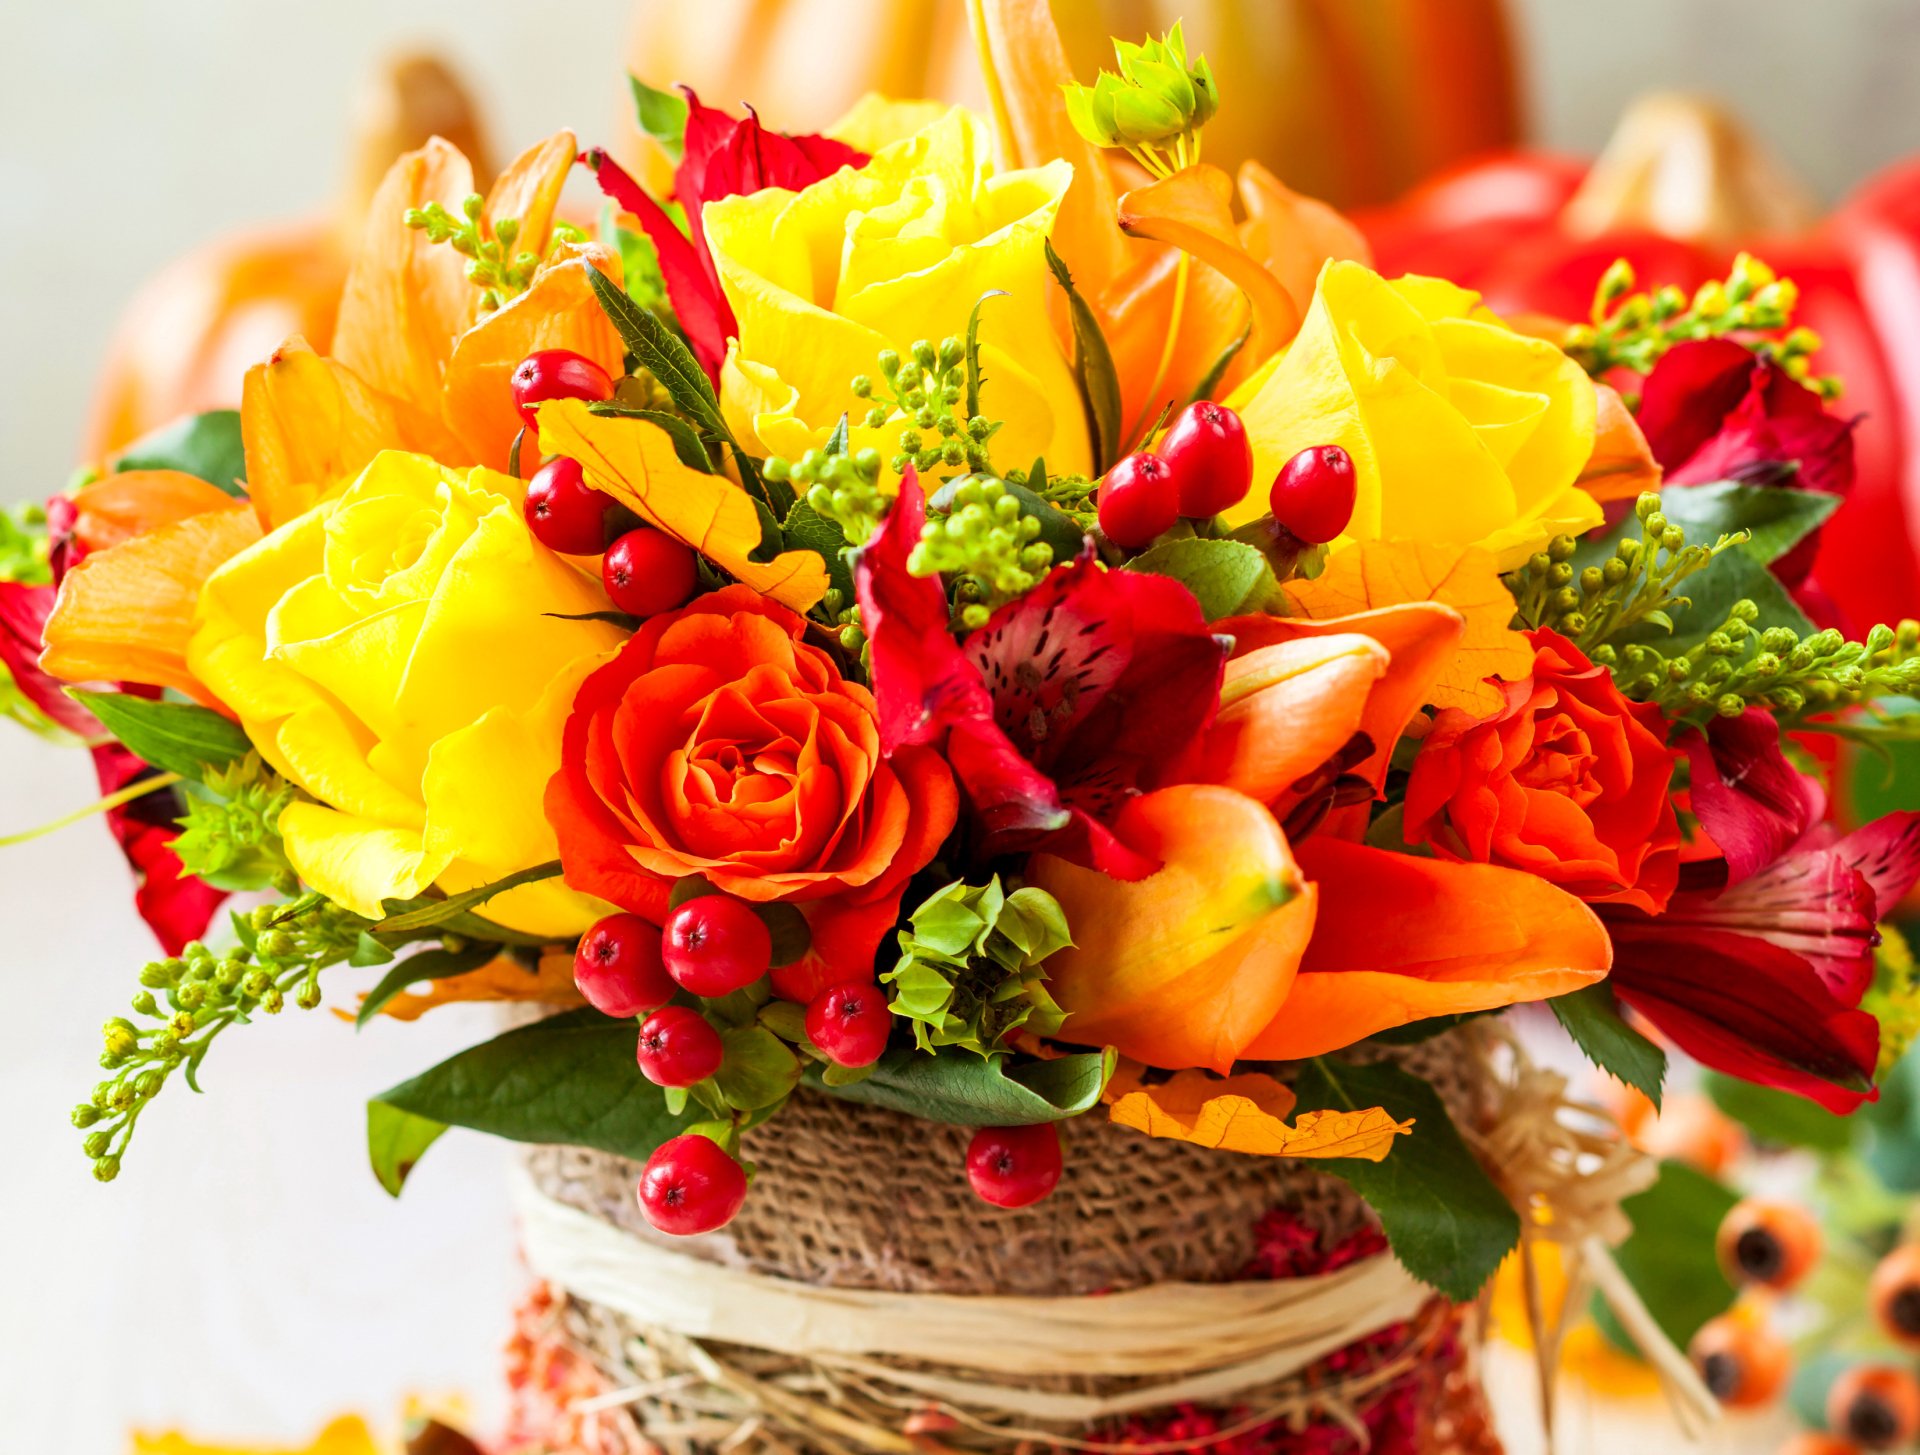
{"x":1248,"y":1113}
{"x":1373,"y":574}
{"x":407,"y":298}
{"x":118,"y":507}
{"x":558,"y":312}
{"x":1622,"y":464}
{"x":124,"y":614}
{"x":634,"y":462}
{"x":1402,"y":939}
{"x":310,"y":422}
{"x":501,"y":979}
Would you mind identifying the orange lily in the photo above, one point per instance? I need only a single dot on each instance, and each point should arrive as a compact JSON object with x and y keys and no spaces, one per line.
{"x":116,"y":508}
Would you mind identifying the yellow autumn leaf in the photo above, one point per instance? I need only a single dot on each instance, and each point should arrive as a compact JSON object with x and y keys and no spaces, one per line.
{"x":1248,"y":1113}
{"x":347,"y":1435}
{"x":1372,"y":574}
{"x":634,"y":462}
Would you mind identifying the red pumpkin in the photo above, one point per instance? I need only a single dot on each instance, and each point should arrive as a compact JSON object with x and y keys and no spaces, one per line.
{"x":1679,"y":190}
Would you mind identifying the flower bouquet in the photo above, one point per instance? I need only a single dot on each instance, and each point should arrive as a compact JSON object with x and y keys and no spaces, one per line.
{"x":1004,"y":727}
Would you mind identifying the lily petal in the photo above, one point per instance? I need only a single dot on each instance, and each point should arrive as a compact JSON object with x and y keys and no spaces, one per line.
{"x":118,"y":507}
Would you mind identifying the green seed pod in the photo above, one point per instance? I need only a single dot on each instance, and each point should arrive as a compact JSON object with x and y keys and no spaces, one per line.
{"x":1561,"y":548}
{"x":1559,"y":574}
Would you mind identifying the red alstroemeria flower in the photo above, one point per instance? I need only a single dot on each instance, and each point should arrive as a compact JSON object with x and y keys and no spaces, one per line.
{"x":1059,"y":709}
{"x":722,"y":156}
{"x":1712,"y":410}
{"x":1759,"y":964}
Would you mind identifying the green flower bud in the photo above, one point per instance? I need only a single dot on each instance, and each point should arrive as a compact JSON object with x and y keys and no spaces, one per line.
{"x":97,"y":1143}
{"x":85,"y":1115}
{"x":105,"y":1169}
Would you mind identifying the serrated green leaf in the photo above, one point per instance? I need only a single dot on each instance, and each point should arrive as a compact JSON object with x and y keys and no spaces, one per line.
{"x":1228,"y":578}
{"x":1670,"y":1259}
{"x":662,"y":353}
{"x":952,"y":1085}
{"x":440,"y":912}
{"x":1093,"y":363}
{"x":1590,"y":1016}
{"x":570,"y":1079}
{"x":427,"y":965}
{"x":396,"y":1140}
{"x":176,"y":737}
{"x":1446,"y":1221}
{"x":807,"y":530}
{"x":976,"y":376}
{"x":661,"y":115}
{"x":206,"y":446}
{"x":1776,"y":518}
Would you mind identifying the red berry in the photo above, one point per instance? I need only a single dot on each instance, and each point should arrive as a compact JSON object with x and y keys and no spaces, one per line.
{"x":565,"y":513}
{"x":678,"y":1047}
{"x":1314,"y":492}
{"x":1138,"y":500}
{"x":647,"y":572}
{"x":716,"y":945}
{"x":1014,"y":1166}
{"x":691,"y":1186}
{"x":557,"y":374}
{"x":618,"y":967}
{"x":1206,"y":449}
{"x":850,"y":1023}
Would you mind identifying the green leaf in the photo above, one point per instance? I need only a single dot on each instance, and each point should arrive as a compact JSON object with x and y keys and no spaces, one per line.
{"x":177,"y":737}
{"x":757,"y":1069}
{"x":807,"y":530}
{"x":439,"y":912}
{"x":1594,"y":1021}
{"x":662,"y":353}
{"x":1670,"y":1258}
{"x":205,"y":445}
{"x":569,"y":1079}
{"x":952,"y":1085}
{"x":427,"y":965}
{"x":396,"y":1140}
{"x":662,"y":116}
{"x":1218,"y":368}
{"x":976,"y":376}
{"x":1776,"y":518}
{"x":1444,"y":1217}
{"x":1893,"y":1126}
{"x":1780,"y":1117}
{"x":1415,"y":1032}
{"x":1227,"y":577}
{"x":686,"y":443}
{"x":1099,"y":381}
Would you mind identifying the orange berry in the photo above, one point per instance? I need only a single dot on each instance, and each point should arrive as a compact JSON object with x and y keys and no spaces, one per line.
{"x":1691,"y":1129}
{"x":1811,"y":1442}
{"x":1894,"y":1294}
{"x":1877,"y":1406}
{"x":1774,"y":1244}
{"x":1742,"y":1361}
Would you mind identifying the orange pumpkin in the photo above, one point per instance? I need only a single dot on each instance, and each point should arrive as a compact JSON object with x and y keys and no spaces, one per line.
{"x":1352,"y":101}
{"x":185,"y":341}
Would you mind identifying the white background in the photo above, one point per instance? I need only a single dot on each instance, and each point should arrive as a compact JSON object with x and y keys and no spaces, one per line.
{"x":246,"y":1276}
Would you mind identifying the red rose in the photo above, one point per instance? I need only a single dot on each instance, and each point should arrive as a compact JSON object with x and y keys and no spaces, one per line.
{"x":1569,"y":781}
{"x":717,"y":743}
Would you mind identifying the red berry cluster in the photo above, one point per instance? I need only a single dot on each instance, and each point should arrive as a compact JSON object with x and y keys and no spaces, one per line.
{"x":1204,"y":465}
{"x":645,"y":571}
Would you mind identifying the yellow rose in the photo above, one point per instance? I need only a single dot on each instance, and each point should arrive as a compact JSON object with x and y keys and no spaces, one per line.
{"x":900,"y":250}
{"x":397,"y":651}
{"x":1460,"y":429}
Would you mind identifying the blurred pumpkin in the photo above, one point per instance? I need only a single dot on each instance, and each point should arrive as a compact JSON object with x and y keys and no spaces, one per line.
{"x":186,"y":340}
{"x":1351,"y":101}
{"x":1680,"y":189}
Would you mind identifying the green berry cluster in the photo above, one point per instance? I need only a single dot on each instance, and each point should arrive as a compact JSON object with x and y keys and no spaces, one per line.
{"x":843,"y":488}
{"x":1894,"y":999}
{"x":232,"y":840}
{"x":929,"y":389}
{"x":189,"y":999}
{"x":1637,"y":584}
{"x":492,"y":263}
{"x":1633,"y":330}
{"x":1738,"y":667}
{"x":988,"y":543}
{"x":843,"y":617}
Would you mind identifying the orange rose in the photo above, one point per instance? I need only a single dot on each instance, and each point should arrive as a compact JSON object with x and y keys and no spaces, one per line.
{"x":1568,"y":781}
{"x":717,"y":743}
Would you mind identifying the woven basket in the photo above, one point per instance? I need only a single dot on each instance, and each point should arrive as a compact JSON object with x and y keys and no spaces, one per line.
{"x":852,"y":1196}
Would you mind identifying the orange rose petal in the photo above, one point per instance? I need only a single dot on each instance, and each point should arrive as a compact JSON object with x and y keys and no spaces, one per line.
{"x":124,"y":614}
{"x":558,"y":312}
{"x":406,"y":298}
{"x":1248,"y":1113}
{"x":634,"y":462}
{"x":310,"y":423}
{"x":1622,"y":463}
{"x":1373,"y":574}
{"x":529,"y":190}
{"x":1186,"y":966}
{"x":1402,"y":938}
{"x":118,"y":507}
